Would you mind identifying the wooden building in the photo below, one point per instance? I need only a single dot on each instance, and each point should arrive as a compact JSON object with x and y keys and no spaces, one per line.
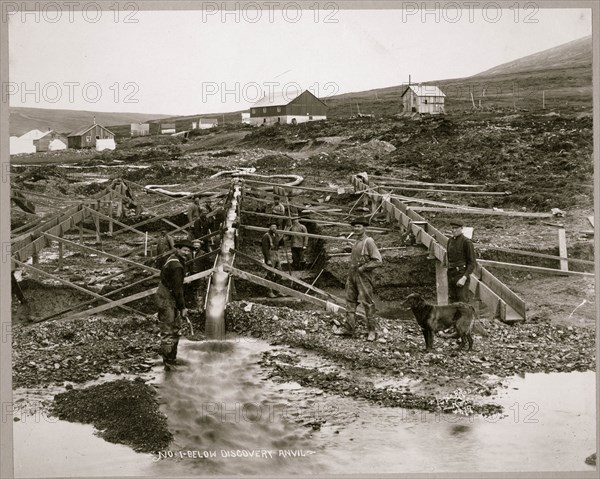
{"x":140,"y":129}
{"x":423,"y":99}
{"x":167,"y":128}
{"x":50,"y":141}
{"x":86,"y":137}
{"x":287,"y":108}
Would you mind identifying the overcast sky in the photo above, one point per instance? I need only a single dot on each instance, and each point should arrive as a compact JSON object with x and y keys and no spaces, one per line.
{"x":187,"y":62}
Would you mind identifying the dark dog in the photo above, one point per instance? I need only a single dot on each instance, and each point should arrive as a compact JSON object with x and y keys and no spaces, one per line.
{"x":432,"y":318}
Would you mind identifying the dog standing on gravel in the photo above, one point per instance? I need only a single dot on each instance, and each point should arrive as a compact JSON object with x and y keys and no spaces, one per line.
{"x":432,"y":318}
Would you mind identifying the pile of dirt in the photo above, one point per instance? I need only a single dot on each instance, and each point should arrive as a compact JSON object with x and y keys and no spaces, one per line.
{"x":123,"y":412}
{"x":79,"y":350}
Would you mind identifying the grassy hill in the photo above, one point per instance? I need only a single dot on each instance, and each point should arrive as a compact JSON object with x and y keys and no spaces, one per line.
{"x":23,"y":119}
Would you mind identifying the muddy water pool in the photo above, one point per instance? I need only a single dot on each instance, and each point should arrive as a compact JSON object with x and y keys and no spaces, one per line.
{"x":228,"y":418}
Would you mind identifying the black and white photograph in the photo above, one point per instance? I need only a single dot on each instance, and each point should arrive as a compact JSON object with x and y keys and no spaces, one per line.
{"x":299,"y":238}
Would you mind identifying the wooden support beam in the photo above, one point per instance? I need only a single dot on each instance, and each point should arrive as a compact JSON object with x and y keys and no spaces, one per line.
{"x":424,"y":182}
{"x":537,"y":255}
{"x":562,"y":249}
{"x":111,"y":220}
{"x":287,"y":276}
{"x":72,"y":285}
{"x":278,"y":287}
{"x":310,"y":220}
{"x":135,"y":297}
{"x":458,"y":192}
{"x":101,"y":253}
{"x":534,"y":269}
{"x":285,"y":232}
{"x":289,"y":189}
{"x":183,"y":198}
{"x":479,"y":211}
{"x":441,"y":282}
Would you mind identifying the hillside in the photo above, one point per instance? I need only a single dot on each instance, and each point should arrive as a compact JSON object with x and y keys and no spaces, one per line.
{"x":575,"y":54}
{"x":23,"y":120}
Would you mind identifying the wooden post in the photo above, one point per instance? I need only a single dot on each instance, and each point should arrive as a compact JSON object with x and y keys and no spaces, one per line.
{"x":441,"y":283}
{"x":60,"y":253}
{"x":562,"y":249}
{"x":544,"y":99}
{"x":110,"y":214}
{"x":97,"y":223}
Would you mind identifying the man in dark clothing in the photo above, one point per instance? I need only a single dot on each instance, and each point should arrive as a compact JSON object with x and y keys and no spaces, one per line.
{"x":270,"y":244}
{"x":278,"y":210}
{"x":199,"y":262}
{"x":298,"y":243}
{"x":165,"y":244}
{"x":461,"y":263}
{"x":364,"y":259}
{"x":170,"y":301}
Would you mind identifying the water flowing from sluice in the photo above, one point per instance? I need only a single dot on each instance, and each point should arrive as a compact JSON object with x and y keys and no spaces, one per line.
{"x":220,"y":281}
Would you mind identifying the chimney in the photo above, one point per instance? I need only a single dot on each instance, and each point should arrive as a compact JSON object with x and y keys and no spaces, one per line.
{"x":408,"y":80}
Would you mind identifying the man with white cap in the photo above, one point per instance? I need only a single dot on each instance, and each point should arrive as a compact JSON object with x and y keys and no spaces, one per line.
{"x":461,"y":263}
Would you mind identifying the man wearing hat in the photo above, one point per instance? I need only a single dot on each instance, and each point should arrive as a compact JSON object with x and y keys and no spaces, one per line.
{"x":278,"y":210}
{"x":170,"y":301}
{"x":461,"y":263}
{"x":298,"y":243}
{"x":364,"y":259}
{"x":270,"y":244}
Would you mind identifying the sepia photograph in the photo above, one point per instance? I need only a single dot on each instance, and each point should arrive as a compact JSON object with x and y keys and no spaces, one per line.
{"x":299,"y":238}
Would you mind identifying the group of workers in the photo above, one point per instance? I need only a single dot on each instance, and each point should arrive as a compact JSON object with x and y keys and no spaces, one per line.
{"x":365,"y":258}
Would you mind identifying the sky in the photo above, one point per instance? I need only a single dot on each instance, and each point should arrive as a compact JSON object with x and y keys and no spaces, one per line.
{"x":213,"y":60}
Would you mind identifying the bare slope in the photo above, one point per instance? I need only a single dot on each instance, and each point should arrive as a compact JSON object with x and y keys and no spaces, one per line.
{"x":575,"y":54}
{"x":23,"y":120}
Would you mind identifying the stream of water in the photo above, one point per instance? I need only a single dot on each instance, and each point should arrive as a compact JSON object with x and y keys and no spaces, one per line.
{"x":228,"y":419}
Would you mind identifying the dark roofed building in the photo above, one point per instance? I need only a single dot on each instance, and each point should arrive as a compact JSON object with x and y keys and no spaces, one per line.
{"x":86,"y":137}
{"x":287,"y":108}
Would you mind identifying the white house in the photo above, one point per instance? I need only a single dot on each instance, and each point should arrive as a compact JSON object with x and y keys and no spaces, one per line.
{"x":205,"y":123}
{"x":423,"y":99}
{"x":140,"y":129}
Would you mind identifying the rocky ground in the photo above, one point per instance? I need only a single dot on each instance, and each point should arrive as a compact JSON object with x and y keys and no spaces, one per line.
{"x":544,"y":160}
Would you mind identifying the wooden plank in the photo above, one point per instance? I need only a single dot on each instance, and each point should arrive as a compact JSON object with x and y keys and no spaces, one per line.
{"x":482,"y":212}
{"x":72,"y":285}
{"x":458,"y":192}
{"x":500,"y":289}
{"x":102,"y":253}
{"x":537,"y":255}
{"x":134,"y":297}
{"x":112,"y":220}
{"x":535,"y":269}
{"x":562,"y":249}
{"x":286,"y":187}
{"x":287,"y":276}
{"x":285,"y":232}
{"x":282,"y":289}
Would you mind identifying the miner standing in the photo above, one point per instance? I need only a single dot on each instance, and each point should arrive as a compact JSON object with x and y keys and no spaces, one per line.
{"x":271,"y":241}
{"x":364,"y":259}
{"x":170,"y":301}
{"x":298,"y":243}
{"x":461,"y":263}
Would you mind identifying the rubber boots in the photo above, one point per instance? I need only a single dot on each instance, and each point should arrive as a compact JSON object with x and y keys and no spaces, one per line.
{"x":371,"y":322}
